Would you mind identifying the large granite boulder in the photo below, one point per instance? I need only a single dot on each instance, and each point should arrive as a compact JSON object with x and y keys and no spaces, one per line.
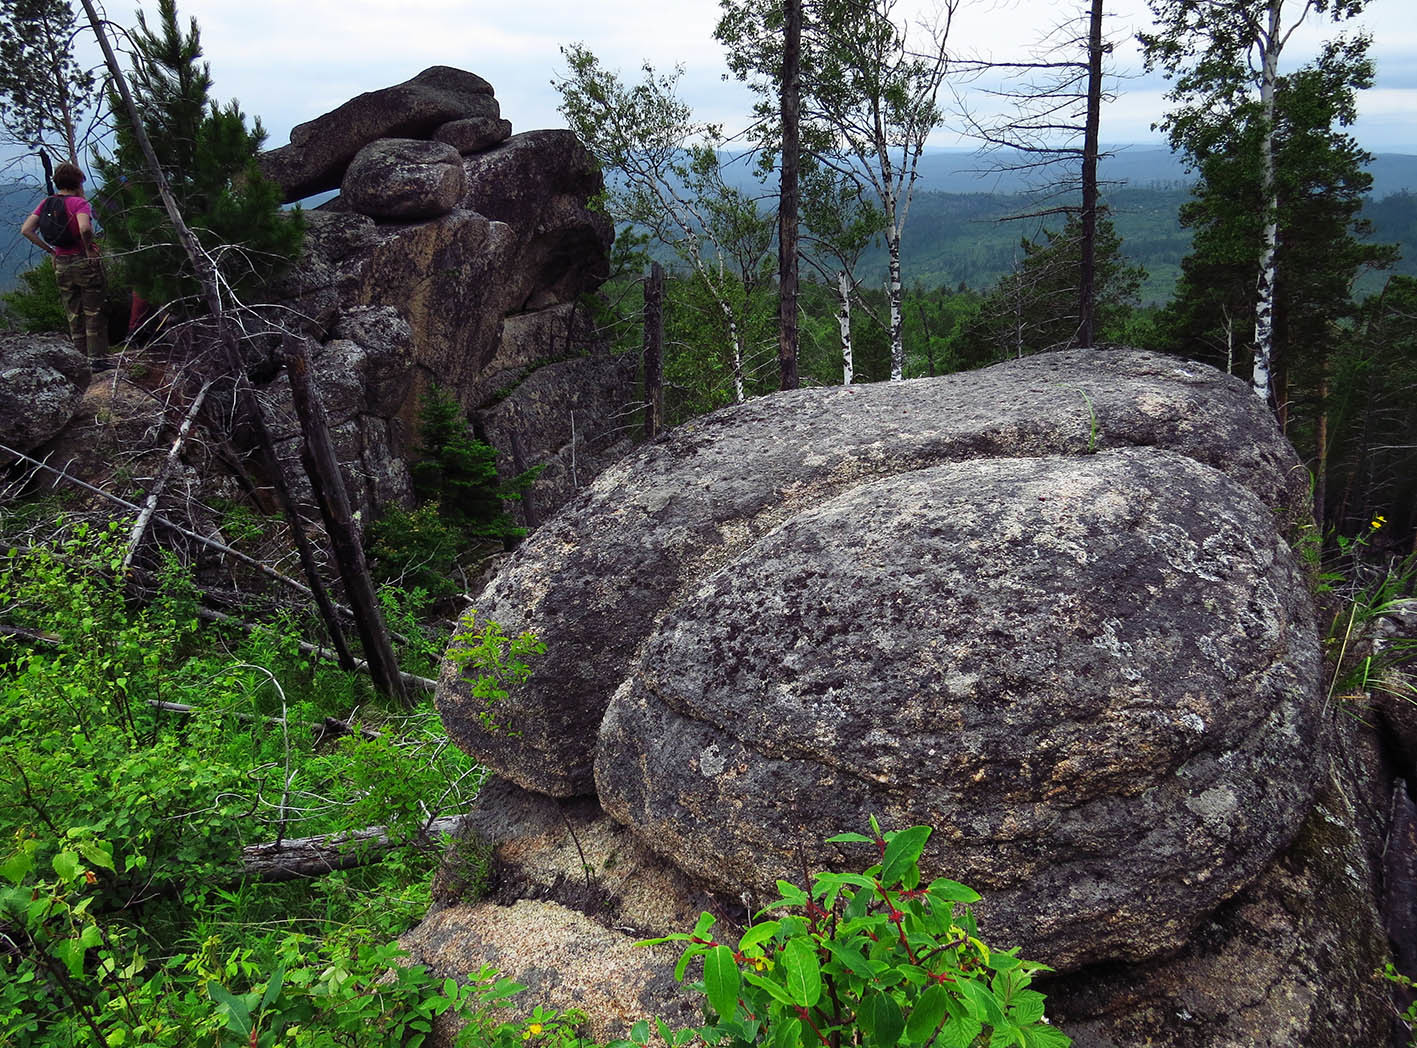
{"x":1095,"y":676}
{"x":404,"y":178}
{"x":321,"y":149}
{"x":42,"y":381}
{"x":1047,"y":608}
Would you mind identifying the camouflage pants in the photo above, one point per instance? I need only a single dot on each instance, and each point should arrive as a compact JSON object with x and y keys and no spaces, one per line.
{"x":81,"y":288}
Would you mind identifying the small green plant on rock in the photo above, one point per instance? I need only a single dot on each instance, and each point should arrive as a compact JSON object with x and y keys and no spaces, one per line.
{"x":865,"y":959}
{"x":492,"y":662}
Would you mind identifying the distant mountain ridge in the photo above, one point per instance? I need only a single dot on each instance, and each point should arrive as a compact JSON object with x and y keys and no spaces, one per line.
{"x":953,"y":235}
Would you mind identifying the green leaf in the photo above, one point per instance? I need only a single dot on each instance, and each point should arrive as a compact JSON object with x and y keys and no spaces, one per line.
{"x":850,"y":838}
{"x":952,"y":891}
{"x":788,"y":895}
{"x":71,"y":952}
{"x":960,"y":1033}
{"x":1026,"y":1007}
{"x":982,"y":1004}
{"x":639,"y":1033}
{"x":788,"y":1034}
{"x":273,"y":987}
{"x":880,"y":1020}
{"x":238,"y":1016}
{"x":66,"y":865}
{"x":1005,"y":1035}
{"x":681,"y":968}
{"x":1041,"y":1035}
{"x":773,"y":989}
{"x":926,"y":1016}
{"x":721,"y":981}
{"x":903,"y":853}
{"x":804,"y":974}
{"x":17,"y":867}
{"x":758,"y":933}
{"x":99,"y":853}
{"x":849,"y":959}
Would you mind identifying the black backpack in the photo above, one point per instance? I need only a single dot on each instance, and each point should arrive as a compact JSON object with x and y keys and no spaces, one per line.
{"x":54,"y":224}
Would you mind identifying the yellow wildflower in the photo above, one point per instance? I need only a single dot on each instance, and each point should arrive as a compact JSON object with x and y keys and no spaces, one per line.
{"x":1378,"y":521}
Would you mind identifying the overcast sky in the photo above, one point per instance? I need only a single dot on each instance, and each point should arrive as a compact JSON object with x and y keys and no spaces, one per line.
{"x":289,"y":62}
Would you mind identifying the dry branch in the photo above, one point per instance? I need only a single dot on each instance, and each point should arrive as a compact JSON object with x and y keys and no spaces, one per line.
{"x":316,"y":856}
{"x":150,"y":507}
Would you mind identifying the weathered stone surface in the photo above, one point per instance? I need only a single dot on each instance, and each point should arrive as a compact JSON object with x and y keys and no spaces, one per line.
{"x":117,"y":424}
{"x":563,"y":958}
{"x":404,"y":179}
{"x":474,"y":134}
{"x":593,"y":582}
{"x":1288,"y":961}
{"x":534,"y":422}
{"x":362,"y":384}
{"x":540,"y":924}
{"x":321,"y":149}
{"x":42,"y":381}
{"x":1093,"y":675}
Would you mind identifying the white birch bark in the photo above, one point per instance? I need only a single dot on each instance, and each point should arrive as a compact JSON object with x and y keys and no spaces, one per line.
{"x":1264,"y":289}
{"x":843,"y":320}
{"x":737,"y":341}
{"x":897,"y":324}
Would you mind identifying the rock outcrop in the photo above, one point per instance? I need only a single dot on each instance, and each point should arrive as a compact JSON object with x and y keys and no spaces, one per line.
{"x":1050,"y":609}
{"x":482,"y":244}
{"x":320,"y":150}
{"x":42,"y":381}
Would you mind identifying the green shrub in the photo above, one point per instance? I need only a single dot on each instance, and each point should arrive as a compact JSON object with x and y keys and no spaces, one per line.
{"x":870,"y":959}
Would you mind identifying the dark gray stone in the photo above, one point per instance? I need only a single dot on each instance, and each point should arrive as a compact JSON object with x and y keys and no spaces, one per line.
{"x":42,"y":382}
{"x":1094,"y":676}
{"x":474,"y":134}
{"x":321,"y":149}
{"x":593,"y":581}
{"x":404,"y":179}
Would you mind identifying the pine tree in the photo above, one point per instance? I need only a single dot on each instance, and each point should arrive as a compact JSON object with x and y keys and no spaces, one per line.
{"x":1320,"y":240}
{"x":208,"y":154}
{"x":44,"y":94}
{"x":1035,"y":308}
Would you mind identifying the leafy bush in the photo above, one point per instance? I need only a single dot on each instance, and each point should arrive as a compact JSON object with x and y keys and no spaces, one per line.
{"x":871,"y":959}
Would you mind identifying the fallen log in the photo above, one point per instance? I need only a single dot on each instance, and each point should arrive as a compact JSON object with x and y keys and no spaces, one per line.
{"x":305,"y":857}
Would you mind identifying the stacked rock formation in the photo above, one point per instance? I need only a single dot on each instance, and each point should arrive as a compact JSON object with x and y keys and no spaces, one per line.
{"x":472,"y":245}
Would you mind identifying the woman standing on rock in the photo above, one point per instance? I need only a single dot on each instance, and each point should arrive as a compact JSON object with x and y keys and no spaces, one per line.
{"x":78,"y":270}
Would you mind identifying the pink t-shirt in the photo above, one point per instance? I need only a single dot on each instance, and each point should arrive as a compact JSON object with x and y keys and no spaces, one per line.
{"x":77,"y":205}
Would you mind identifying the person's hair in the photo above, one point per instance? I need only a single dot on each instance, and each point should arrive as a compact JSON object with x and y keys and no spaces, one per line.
{"x":68,"y":176}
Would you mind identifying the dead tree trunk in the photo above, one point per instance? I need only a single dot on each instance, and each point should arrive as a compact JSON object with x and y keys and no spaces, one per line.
{"x":322,"y":466}
{"x":246,"y":404}
{"x":316,"y":856}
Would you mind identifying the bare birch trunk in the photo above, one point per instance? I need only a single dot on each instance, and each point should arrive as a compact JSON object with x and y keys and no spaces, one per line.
{"x":1264,"y":289}
{"x":737,"y":340}
{"x":843,"y":320}
{"x":897,"y":320}
{"x":788,"y":196}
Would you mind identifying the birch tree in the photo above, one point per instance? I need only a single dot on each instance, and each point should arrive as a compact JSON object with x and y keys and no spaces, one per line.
{"x":870,"y":85}
{"x":665,"y":177}
{"x":1223,"y":58}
